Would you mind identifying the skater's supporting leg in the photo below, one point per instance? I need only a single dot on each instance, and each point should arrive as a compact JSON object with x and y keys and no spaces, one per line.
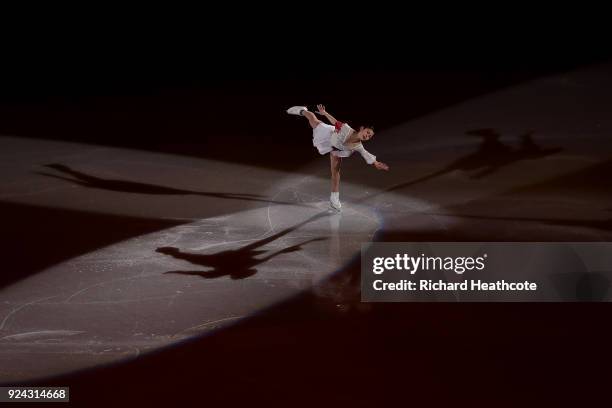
{"x":335,"y":173}
{"x":334,"y":198}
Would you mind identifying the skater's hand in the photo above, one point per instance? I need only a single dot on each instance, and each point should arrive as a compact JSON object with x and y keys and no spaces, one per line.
{"x":381,"y":166}
{"x":321,"y":109}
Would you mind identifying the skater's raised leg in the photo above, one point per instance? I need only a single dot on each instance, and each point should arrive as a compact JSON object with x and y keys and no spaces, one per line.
{"x":303,"y":111}
{"x":312,"y":118}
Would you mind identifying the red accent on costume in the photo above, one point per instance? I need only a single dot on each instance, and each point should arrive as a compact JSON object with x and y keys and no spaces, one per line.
{"x":338,"y":125}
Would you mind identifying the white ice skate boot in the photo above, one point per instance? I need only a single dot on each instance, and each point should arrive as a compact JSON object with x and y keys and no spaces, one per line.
{"x":296,"y":110}
{"x":334,"y":202}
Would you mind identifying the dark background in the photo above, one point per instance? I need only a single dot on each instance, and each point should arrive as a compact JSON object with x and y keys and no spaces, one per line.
{"x":189,"y":86}
{"x":197,"y":89}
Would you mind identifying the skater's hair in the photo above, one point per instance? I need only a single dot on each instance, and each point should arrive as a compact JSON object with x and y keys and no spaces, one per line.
{"x":368,"y":127}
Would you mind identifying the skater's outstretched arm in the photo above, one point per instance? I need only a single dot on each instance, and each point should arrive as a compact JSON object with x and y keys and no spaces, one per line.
{"x":371,"y":159}
{"x":321,"y":111}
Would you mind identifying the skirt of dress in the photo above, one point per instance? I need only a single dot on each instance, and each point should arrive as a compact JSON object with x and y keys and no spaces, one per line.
{"x":321,"y":138}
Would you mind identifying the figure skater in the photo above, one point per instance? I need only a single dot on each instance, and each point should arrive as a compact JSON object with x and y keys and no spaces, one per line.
{"x":339,"y":140}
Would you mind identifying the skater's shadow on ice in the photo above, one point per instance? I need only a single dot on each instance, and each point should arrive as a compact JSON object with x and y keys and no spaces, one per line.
{"x":490,"y":156}
{"x":238,"y":263}
{"x":125,"y":186}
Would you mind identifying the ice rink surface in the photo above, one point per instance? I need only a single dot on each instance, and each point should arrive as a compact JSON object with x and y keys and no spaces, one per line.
{"x":191,"y":245}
